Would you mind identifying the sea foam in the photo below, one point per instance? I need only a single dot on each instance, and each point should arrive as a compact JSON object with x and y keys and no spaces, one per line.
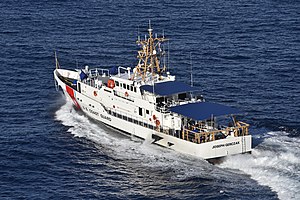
{"x":274,"y":163}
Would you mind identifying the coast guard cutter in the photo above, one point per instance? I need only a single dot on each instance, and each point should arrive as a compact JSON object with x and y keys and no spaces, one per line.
{"x":146,"y":101}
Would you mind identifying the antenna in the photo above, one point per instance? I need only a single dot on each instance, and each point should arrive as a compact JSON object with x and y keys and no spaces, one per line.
{"x":150,"y":29}
{"x":164,"y":54}
{"x":191,"y":63}
{"x":168,"y":55}
{"x":150,"y":25}
{"x":56,"y":61}
{"x":153,"y":86}
{"x":139,"y":38}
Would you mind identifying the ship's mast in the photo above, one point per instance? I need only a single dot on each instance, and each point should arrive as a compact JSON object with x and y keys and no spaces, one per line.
{"x":149,"y":56}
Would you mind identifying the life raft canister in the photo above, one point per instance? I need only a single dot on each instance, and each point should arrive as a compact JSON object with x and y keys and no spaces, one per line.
{"x":157,"y":122}
{"x":126,"y":94}
{"x":111,"y":83}
{"x":95,"y":93}
{"x":154,"y":117}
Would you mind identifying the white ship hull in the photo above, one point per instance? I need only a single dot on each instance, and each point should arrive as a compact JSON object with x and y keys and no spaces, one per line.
{"x":92,"y":106}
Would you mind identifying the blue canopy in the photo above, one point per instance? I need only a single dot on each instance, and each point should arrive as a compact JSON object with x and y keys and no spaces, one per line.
{"x":203,"y":110}
{"x":168,"y":88}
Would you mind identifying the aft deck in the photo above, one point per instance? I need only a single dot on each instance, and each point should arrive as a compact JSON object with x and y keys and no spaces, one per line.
{"x":201,"y":134}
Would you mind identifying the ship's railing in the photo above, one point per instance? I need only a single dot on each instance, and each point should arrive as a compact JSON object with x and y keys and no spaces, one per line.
{"x":194,"y":134}
{"x":200,"y":135}
{"x":124,"y":95}
{"x":98,"y":71}
{"x":142,"y":122}
{"x":130,"y":118}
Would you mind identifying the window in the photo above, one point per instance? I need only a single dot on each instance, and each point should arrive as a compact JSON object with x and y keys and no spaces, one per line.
{"x":128,"y":87}
{"x":79,"y":88}
{"x":140,"y":111}
{"x":124,"y":85}
{"x":117,"y":83}
{"x":147,"y":112}
{"x":134,"y":88}
{"x":131,"y":88}
{"x":182,"y":96}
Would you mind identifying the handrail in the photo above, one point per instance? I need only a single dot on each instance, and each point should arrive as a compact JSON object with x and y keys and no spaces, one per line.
{"x":95,"y":71}
{"x":123,"y":95}
{"x":199,"y":137}
{"x":191,"y":135}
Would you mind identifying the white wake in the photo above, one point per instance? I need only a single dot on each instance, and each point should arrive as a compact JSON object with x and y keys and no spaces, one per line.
{"x":274,"y":163}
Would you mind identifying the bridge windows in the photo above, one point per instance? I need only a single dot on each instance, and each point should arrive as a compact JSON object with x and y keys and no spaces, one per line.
{"x":125,"y":86}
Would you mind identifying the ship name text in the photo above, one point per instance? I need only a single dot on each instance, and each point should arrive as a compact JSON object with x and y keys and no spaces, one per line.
{"x":225,"y":145}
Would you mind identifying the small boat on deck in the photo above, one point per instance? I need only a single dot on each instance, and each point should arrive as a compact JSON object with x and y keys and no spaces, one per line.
{"x":146,"y":101}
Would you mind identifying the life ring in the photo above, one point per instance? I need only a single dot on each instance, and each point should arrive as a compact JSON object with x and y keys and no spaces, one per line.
{"x":157,"y":122}
{"x":154,"y":117}
{"x":95,"y":93}
{"x":126,"y":94}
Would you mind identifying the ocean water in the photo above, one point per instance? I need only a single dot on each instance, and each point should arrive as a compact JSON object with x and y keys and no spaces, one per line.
{"x":245,"y":54}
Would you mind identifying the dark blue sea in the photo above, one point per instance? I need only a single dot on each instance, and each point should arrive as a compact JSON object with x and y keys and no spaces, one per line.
{"x":245,"y":54}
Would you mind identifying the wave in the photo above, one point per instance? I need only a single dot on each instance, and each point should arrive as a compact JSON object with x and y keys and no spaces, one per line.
{"x":274,"y":163}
